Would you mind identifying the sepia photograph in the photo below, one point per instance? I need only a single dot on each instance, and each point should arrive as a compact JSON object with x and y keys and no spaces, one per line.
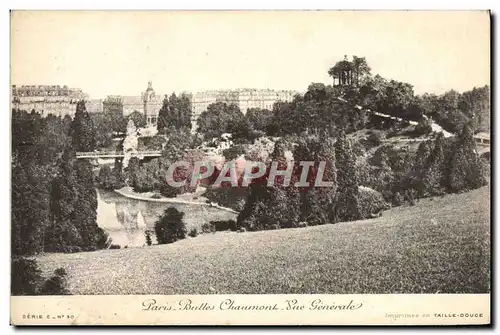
{"x":250,"y":167}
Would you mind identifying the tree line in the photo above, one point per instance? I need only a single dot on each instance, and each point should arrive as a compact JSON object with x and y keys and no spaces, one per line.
{"x":319,"y":108}
{"x":360,"y":188}
{"x":54,"y":201}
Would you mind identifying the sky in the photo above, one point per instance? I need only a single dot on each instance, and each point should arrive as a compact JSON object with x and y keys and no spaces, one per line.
{"x":118,"y":52}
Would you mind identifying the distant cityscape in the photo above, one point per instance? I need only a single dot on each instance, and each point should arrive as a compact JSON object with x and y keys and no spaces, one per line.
{"x":61,"y":100}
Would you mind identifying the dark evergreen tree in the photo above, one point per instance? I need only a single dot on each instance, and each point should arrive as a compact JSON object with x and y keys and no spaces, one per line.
{"x":106,"y":178}
{"x":138,"y":119}
{"x":175,"y":113}
{"x":170,"y":227}
{"x":347,"y":204}
{"x":433,"y":176}
{"x":30,"y":207}
{"x":317,"y":203}
{"x":275,"y":206}
{"x":62,"y":232}
{"x":85,"y":214}
{"x":55,"y":285}
{"x":163,"y":116}
{"x":25,"y":277}
{"x":466,"y":169}
{"x":221,"y":118}
{"x":83,"y":131}
{"x":132,"y":172}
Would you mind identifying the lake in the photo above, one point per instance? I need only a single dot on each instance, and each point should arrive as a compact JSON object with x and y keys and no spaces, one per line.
{"x":126,"y":220}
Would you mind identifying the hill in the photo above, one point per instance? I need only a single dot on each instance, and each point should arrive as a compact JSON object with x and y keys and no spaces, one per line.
{"x":435,"y":246}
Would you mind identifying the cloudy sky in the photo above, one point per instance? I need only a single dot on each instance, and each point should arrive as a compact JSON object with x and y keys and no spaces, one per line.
{"x":119,"y":52}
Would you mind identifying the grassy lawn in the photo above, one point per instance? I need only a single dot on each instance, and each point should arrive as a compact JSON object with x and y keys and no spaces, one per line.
{"x":440,"y":245}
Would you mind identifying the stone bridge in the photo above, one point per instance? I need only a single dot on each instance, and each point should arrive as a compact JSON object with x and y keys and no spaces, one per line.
{"x":483,"y":149}
{"x":118,"y":154}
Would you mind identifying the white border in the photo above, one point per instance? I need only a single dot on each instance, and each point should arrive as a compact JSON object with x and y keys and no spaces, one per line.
{"x":186,"y":4}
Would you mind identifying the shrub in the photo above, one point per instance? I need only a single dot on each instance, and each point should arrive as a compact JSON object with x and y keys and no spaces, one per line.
{"x":231,"y":197}
{"x":208,"y":228}
{"x":358,"y":148}
{"x":170,"y":227}
{"x":56,"y":285}
{"x":398,"y":199}
{"x":224,"y":225}
{"x":147,"y":233}
{"x":424,"y":127}
{"x":410,"y":196}
{"x":374,"y":139}
{"x":371,"y":202}
{"x":25,"y":277}
{"x":103,"y":239}
{"x":114,"y":246}
{"x":193,"y":232}
{"x":90,"y":248}
{"x":234,"y":152}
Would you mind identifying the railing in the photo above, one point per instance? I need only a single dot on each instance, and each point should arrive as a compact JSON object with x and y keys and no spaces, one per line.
{"x":98,"y":154}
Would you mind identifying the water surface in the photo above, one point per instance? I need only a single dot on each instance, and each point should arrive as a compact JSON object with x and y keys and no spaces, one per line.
{"x":126,"y":220}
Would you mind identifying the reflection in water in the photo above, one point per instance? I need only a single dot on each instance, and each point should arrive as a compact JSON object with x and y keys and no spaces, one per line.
{"x":125,"y":220}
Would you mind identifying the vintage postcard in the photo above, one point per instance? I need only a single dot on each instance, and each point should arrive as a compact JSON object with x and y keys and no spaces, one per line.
{"x":250,"y":168}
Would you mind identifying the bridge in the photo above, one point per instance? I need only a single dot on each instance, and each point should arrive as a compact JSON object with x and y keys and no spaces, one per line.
{"x":482,"y":143}
{"x":118,"y":154}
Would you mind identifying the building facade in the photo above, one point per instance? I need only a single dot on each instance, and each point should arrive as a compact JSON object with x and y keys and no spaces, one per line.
{"x":47,"y":99}
{"x":94,"y":106}
{"x":148,"y":103}
{"x":245,"y":99}
{"x":152,"y":104}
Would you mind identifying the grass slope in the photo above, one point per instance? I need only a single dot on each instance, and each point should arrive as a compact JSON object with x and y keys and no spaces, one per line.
{"x":439,"y":245}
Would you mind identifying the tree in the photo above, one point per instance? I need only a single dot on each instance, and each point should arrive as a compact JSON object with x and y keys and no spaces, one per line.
{"x":347,"y":204}
{"x":275,"y":206}
{"x":55,"y":285}
{"x":138,"y":119}
{"x":118,"y":176}
{"x":85,"y":214}
{"x":220,"y":118}
{"x":414,"y":179}
{"x":30,"y":208}
{"x":361,"y":69}
{"x":83,"y":131}
{"x":103,"y":129}
{"x":475,"y":104}
{"x":170,"y":227}
{"x":62,"y":232}
{"x":381,"y":176}
{"x":147,"y":234}
{"x":466,"y":169}
{"x":286,"y":119}
{"x":146,"y":179}
{"x":53,"y":139}
{"x":164,"y":116}
{"x":113,"y":114}
{"x":179,"y":141}
{"x":434,"y":177}
{"x":25,"y":276}
{"x":106,"y":178}
{"x":73,"y":225}
{"x":259,"y":119}
{"x":175,"y":113}
{"x":317,"y":203}
{"x":132,"y":172}
{"x":424,"y":127}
